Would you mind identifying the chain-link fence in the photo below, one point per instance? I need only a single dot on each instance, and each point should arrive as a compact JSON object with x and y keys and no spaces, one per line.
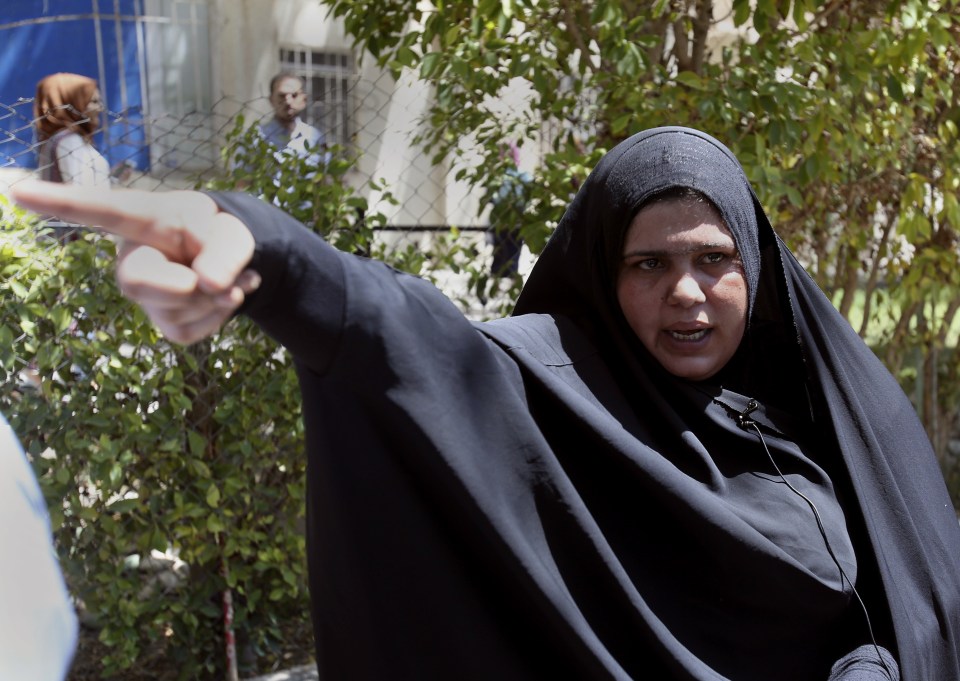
{"x":175,"y":475}
{"x":380,"y":161}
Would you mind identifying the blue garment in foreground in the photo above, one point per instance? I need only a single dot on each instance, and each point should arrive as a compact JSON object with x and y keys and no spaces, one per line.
{"x":38,"y":630}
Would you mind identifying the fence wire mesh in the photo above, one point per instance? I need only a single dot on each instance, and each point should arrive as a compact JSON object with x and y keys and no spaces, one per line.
{"x":175,"y":475}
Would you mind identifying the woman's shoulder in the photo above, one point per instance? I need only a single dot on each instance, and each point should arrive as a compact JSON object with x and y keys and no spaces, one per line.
{"x":66,"y":141}
{"x":551,"y":339}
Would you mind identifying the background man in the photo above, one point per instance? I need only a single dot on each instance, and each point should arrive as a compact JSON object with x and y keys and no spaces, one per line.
{"x":286,"y":130}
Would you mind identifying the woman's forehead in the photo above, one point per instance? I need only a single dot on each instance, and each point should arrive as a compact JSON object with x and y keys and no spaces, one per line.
{"x":679,"y":219}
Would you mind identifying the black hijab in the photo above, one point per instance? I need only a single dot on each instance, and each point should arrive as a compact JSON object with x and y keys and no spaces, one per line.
{"x":819,"y":385}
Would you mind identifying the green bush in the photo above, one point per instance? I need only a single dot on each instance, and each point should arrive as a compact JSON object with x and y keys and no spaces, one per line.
{"x":141,"y":445}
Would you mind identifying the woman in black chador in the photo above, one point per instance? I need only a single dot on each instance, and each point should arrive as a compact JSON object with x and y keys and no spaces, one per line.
{"x":675,"y":461}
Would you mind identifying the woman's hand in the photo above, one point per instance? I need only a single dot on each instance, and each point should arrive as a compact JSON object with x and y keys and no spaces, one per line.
{"x":180,"y":258}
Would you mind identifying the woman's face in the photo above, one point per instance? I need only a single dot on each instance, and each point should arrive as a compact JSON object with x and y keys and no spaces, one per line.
{"x":681,"y":287}
{"x":96,"y":103}
{"x":95,"y":106}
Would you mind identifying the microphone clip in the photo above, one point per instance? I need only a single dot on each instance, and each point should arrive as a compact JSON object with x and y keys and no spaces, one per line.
{"x":743,"y":417}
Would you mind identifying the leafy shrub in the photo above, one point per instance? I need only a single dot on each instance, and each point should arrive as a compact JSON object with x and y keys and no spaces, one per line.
{"x":141,"y":445}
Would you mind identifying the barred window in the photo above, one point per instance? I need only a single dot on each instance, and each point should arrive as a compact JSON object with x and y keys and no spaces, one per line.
{"x":329,"y":79}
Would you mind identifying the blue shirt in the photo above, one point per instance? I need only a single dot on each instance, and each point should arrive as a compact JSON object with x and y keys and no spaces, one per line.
{"x":304,"y":141}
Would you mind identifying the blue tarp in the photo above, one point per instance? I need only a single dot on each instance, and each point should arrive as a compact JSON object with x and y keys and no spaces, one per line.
{"x":89,"y":37}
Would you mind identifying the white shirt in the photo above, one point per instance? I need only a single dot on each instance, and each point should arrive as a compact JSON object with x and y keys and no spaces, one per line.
{"x":304,"y":140}
{"x":79,"y":162}
{"x":38,"y":626}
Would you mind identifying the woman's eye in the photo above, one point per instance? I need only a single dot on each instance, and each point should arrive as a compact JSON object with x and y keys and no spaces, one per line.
{"x":647,"y":264}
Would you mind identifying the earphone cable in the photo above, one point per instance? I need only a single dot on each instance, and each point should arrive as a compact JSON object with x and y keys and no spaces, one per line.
{"x":745,"y":422}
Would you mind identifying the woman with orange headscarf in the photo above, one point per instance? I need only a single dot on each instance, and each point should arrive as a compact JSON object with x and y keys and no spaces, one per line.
{"x":66,"y":114}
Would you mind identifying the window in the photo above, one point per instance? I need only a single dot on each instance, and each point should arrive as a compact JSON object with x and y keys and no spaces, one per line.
{"x":178,"y":79}
{"x":178,"y":56}
{"x":329,"y":79}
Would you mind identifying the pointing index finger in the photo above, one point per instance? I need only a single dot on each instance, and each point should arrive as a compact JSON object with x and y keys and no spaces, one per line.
{"x":152,"y":219}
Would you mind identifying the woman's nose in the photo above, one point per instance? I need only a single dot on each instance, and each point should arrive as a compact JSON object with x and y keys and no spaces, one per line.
{"x":686,"y":291}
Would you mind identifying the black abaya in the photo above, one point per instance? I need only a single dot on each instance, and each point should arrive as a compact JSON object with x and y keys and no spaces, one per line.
{"x":533,"y":498}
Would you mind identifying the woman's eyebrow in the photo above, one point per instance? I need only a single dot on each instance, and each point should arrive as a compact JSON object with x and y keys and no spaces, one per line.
{"x":693,"y":248}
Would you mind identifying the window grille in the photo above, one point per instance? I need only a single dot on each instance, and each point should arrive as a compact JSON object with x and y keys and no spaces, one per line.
{"x":329,"y":79}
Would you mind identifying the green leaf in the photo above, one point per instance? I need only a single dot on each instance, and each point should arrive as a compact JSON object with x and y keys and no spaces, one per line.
{"x":659,"y":8}
{"x":812,"y":167}
{"x":895,"y":89}
{"x":215,"y":524}
{"x":406,"y":57}
{"x":18,"y":289}
{"x":691,"y":80}
{"x":794,"y":197}
{"x":115,"y":475}
{"x":619,"y":125}
{"x":61,"y":318}
{"x":123,"y":505}
{"x":741,"y":12}
{"x":213,"y":496}
{"x":951,"y":210}
{"x":198,"y":445}
{"x":460,"y":68}
{"x":431,"y":65}
{"x":63,"y":475}
{"x":800,"y":10}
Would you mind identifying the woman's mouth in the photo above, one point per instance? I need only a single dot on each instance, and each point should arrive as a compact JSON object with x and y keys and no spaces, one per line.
{"x":691,"y":335}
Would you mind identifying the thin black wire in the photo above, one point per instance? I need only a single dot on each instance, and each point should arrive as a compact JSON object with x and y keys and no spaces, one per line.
{"x":744,"y":422}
